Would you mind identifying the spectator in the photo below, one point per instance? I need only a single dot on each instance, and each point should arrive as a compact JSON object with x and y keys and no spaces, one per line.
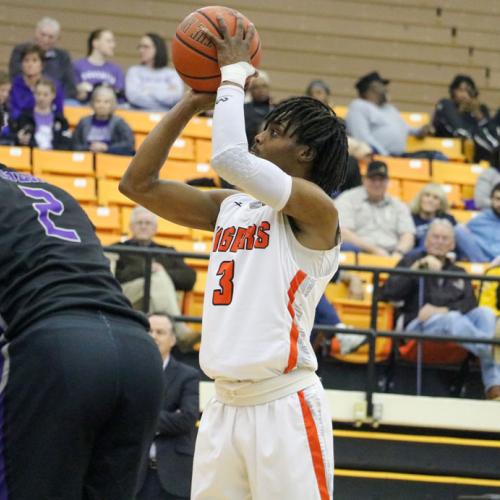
{"x":104,"y":132}
{"x":373,"y":120}
{"x":448,"y":306}
{"x":22,"y":99}
{"x":259,"y":105}
{"x":373,"y":221}
{"x":484,"y":184}
{"x":43,"y":128}
{"x":57,"y":62}
{"x":169,"y":273}
{"x":5,"y":86}
{"x":167,"y":472}
{"x":464,"y":116}
{"x":320,"y":91}
{"x":481,"y":238}
{"x":96,"y":69}
{"x":151,"y":84}
{"x":430,"y":203}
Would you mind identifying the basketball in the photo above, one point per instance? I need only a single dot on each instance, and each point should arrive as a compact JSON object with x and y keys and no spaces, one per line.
{"x":195,"y":56}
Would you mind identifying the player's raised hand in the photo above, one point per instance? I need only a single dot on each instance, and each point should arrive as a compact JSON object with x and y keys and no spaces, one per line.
{"x":200,"y":101}
{"x":232,"y":49}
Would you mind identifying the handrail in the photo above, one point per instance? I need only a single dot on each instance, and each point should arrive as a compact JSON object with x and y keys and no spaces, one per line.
{"x":372,"y":333}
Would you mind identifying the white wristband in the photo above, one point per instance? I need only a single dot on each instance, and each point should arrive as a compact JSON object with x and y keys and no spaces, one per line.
{"x":237,"y":72}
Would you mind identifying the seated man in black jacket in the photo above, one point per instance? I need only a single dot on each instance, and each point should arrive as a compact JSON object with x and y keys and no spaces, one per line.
{"x":166,"y":474}
{"x":169,"y":274}
{"x":446,"y":306}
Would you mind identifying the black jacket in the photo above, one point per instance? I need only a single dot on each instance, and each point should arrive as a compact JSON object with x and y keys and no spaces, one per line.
{"x":61,"y":138}
{"x":130,"y":267}
{"x":448,"y":121}
{"x":255,"y":113}
{"x":455,"y":294}
{"x":176,"y":432}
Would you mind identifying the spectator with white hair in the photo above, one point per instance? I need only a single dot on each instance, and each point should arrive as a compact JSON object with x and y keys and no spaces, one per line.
{"x":169,"y":273}
{"x":57,"y":62}
{"x":104,"y":132}
{"x":445,"y":305}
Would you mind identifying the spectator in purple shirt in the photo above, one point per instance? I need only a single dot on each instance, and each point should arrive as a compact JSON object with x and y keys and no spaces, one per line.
{"x":42,"y":127}
{"x":96,"y":69}
{"x":22,"y":99}
{"x":104,"y":132}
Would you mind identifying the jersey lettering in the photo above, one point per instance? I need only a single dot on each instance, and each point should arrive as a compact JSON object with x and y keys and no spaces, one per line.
{"x":242,"y":238}
{"x":224,"y":295}
{"x":49,"y":206}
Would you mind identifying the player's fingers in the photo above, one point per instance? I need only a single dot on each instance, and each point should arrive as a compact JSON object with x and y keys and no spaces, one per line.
{"x":250,"y":33}
{"x":239,"y":32}
{"x":223,"y":28}
{"x":215,"y":40}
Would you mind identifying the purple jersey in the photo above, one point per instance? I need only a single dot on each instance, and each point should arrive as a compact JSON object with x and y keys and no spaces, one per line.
{"x":108,"y":73}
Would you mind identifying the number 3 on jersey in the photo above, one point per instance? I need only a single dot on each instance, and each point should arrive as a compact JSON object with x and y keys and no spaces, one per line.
{"x":224,"y":295}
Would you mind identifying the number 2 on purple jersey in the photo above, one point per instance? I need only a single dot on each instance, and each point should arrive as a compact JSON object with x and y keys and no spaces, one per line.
{"x":49,"y":206}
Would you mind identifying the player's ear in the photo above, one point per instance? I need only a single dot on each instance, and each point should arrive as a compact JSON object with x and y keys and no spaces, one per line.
{"x":305,"y":154}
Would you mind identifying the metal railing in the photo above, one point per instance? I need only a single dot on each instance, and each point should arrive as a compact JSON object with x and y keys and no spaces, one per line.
{"x":372,"y":333}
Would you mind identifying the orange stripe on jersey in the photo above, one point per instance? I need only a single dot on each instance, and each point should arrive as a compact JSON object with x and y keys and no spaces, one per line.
{"x":314,"y":447}
{"x":294,"y":331}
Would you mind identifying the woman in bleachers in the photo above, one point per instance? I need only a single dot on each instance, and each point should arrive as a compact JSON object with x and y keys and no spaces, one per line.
{"x":151,"y":84}
{"x":22,"y":98}
{"x":430,"y":203}
{"x":42,"y":127}
{"x":104,"y":132}
{"x":463,"y":115}
{"x":97,"y":69}
{"x":5,"y":86}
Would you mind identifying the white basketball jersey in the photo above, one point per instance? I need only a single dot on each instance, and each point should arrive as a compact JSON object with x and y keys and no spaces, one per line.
{"x":261,"y":294}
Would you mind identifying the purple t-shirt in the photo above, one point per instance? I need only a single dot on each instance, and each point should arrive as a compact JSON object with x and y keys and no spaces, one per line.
{"x":108,"y":73}
{"x":99,"y":131}
{"x":43,"y":130}
{"x":22,"y":99}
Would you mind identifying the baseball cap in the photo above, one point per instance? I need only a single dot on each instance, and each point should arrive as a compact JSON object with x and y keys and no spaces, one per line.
{"x":377,"y":169}
{"x":364,"y":82}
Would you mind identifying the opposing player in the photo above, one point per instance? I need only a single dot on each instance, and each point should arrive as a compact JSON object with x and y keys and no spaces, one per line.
{"x":81,"y":379}
{"x":267,"y":433}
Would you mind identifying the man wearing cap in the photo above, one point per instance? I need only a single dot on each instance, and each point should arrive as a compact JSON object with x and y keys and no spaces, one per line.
{"x":373,"y":120}
{"x":371,"y":220}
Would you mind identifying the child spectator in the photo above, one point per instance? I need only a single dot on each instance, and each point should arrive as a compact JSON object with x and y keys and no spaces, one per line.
{"x":151,"y":84}
{"x":96,"y":69}
{"x":22,"y":99}
{"x":42,"y":127}
{"x":5,"y":86}
{"x":104,"y":132}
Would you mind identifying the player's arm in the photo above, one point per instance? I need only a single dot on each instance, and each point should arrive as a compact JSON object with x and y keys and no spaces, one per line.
{"x":310,"y":207}
{"x":175,"y":201}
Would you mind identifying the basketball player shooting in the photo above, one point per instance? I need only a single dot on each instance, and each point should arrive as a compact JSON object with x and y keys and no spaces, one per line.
{"x":267,"y":433}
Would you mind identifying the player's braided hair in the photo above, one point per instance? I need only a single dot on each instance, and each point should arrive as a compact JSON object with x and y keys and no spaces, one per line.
{"x":315,"y":125}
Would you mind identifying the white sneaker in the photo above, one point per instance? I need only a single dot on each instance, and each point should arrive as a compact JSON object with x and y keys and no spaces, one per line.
{"x":349,"y":342}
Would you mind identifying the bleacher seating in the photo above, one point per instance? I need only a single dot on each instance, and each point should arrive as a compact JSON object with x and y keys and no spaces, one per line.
{"x":16,"y":157}
{"x":63,"y":162}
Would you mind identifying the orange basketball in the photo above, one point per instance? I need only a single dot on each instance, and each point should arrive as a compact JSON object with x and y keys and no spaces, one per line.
{"x":195,"y":56}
